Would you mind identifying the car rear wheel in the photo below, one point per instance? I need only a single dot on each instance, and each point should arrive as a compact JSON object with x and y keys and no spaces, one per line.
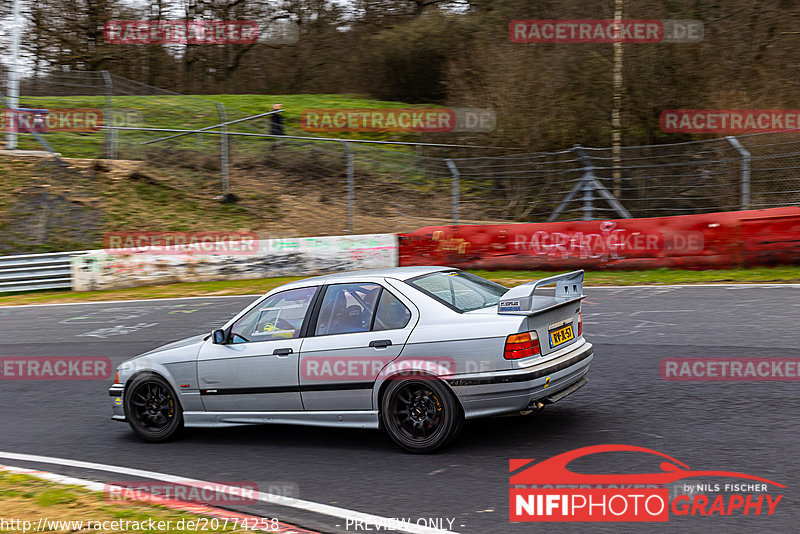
{"x":420,"y":414}
{"x":152,"y":408}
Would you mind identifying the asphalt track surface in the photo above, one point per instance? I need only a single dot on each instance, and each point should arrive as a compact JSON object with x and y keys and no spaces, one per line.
{"x":748,"y":427}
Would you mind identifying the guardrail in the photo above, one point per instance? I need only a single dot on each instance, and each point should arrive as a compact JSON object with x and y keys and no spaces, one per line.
{"x":86,"y":270}
{"x":29,"y":272}
{"x":714,"y":240}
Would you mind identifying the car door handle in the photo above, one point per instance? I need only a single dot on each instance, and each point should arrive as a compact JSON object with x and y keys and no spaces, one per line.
{"x":282,"y":352}
{"x":380,"y":343}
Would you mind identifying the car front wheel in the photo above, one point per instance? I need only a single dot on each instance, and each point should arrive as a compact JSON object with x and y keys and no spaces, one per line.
{"x":152,"y":408}
{"x":419,"y":414}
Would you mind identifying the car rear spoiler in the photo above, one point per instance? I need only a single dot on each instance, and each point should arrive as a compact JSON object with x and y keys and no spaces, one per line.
{"x":521,"y":300}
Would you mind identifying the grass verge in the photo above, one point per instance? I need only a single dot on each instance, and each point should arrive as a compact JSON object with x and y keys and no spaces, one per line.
{"x":65,"y":508}
{"x":196,"y":111}
{"x":781,"y":275}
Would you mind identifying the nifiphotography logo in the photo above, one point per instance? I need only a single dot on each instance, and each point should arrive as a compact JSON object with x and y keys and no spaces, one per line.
{"x":549,"y":491}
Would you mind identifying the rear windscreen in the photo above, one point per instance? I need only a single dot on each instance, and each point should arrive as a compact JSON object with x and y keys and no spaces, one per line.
{"x":461,"y":291}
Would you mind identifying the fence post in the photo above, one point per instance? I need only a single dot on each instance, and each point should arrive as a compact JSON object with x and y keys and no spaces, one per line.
{"x":588,"y":202}
{"x":745,"y":180}
{"x":351,"y":189}
{"x":455,"y":189}
{"x":588,"y":184}
{"x":223,"y":147}
{"x":587,"y":181}
{"x":14,"y":75}
{"x":108,"y":119}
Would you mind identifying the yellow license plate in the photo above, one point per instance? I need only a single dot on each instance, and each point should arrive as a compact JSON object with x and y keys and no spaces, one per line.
{"x":561,"y":335}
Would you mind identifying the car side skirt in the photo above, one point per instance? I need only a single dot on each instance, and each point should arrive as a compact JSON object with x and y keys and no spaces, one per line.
{"x":342,"y":419}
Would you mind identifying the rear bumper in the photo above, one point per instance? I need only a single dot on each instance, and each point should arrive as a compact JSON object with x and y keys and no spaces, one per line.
{"x":494,"y":393}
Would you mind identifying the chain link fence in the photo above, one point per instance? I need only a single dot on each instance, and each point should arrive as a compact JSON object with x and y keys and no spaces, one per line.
{"x":333,"y":186}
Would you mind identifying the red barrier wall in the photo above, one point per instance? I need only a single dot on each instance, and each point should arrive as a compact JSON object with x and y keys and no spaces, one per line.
{"x":706,"y":241}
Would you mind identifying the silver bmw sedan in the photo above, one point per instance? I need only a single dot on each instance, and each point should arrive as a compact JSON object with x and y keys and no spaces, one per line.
{"x":414,"y":351}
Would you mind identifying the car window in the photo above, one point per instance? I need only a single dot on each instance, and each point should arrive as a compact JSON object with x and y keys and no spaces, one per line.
{"x":347,"y":308}
{"x":391,"y":313}
{"x":459,"y":290}
{"x":280,"y":316}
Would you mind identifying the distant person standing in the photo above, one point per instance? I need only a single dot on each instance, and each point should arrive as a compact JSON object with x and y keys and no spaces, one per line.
{"x":276,"y":124}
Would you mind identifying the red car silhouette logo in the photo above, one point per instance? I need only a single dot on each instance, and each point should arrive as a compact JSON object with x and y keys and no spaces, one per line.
{"x":554,"y":470}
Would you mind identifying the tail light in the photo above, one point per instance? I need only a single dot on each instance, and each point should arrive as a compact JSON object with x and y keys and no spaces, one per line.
{"x":522,"y":346}
{"x":116,"y":377}
{"x":580,"y":324}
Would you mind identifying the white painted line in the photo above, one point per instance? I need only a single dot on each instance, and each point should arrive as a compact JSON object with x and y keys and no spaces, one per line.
{"x":259,"y":295}
{"x":254,"y":295}
{"x":280,"y":500}
{"x":54,"y":477}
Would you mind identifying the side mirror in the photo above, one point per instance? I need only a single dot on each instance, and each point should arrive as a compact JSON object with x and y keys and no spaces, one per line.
{"x":218,"y":337}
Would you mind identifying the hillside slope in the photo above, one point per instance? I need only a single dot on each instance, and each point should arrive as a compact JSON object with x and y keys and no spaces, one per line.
{"x":45,"y":207}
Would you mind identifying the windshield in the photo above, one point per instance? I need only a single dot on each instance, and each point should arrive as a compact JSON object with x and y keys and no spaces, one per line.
{"x":462,"y":291}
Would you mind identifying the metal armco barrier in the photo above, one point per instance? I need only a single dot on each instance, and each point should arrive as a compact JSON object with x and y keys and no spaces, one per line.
{"x":706,"y":241}
{"x":29,"y":272}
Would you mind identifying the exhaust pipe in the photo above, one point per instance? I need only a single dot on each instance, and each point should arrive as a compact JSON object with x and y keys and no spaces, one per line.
{"x":534,"y":406}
